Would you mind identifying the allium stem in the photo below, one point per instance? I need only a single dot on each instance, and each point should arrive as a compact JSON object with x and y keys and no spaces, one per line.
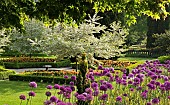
{"x":21,"y":102}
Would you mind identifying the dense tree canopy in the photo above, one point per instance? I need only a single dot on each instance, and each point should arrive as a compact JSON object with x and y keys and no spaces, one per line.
{"x":13,"y":11}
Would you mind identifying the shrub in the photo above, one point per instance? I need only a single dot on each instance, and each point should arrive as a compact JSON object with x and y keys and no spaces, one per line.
{"x":45,"y":79}
{"x":130,"y":67}
{"x":4,"y":73}
{"x":17,"y":65}
{"x":162,"y":59}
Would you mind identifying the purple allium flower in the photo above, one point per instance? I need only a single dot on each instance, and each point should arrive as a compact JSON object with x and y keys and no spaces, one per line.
{"x":76,"y":94}
{"x":151,"y":86}
{"x":139,"y":88}
{"x":61,"y":103}
{"x":89,"y":97}
{"x":48,"y":93}
{"x":154,"y":77}
{"x":103,"y":97}
{"x":88,"y":90}
{"x":33,"y":84}
{"x":81,"y":97}
{"x":31,"y":93}
{"x":94,"y":85}
{"x":96,"y":93}
{"x":53,"y":99}
{"x":72,"y":83}
{"x":100,"y":67}
{"x":136,"y":80}
{"x":130,"y":75}
{"x":119,"y":98}
{"x":103,"y":87}
{"x":131,"y":89}
{"x":166,"y":78}
{"x":168,"y":97}
{"x":56,"y":86}
{"x":49,"y":87}
{"x":72,"y":88}
{"x":109,"y":85}
{"x":73,"y":77}
{"x":66,"y":76}
{"x":155,"y":101}
{"x":47,"y":102}
{"x":130,"y":82}
{"x":148,"y":103}
{"x":144,"y":95}
{"x":22,"y":97}
{"x":125,"y":95}
{"x":167,"y":85}
{"x":152,"y":82}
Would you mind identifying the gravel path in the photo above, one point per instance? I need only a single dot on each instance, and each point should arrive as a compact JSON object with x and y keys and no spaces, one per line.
{"x":31,"y":69}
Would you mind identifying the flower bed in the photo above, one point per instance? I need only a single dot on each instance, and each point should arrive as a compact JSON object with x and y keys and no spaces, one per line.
{"x":147,"y":84}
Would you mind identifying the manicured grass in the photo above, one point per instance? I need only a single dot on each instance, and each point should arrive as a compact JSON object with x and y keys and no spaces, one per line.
{"x":134,"y":59}
{"x":11,"y":90}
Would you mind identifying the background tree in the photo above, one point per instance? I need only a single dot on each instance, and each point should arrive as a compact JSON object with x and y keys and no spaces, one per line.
{"x":4,"y":39}
{"x":34,"y":29}
{"x":72,"y":40}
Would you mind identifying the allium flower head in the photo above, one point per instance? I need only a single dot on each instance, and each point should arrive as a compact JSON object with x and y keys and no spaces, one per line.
{"x":96,"y":93}
{"x":22,"y":97}
{"x":119,"y":98}
{"x":100,"y":67}
{"x":72,"y":83}
{"x":31,"y":93}
{"x":48,"y":93}
{"x":103,"y":97}
{"x":73,"y":77}
{"x":66,"y":76}
{"x":33,"y":84}
{"x":103,"y":87}
{"x":47,"y":102}
{"x":56,"y":86}
{"x":94,"y":85}
{"x":53,"y":99}
{"x":148,"y":103}
{"x":155,"y":101}
{"x":49,"y":87}
{"x":81,"y":97}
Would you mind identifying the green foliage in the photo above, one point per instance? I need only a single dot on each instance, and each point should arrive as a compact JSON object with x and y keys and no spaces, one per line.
{"x":44,"y":79}
{"x":162,"y":42}
{"x":131,"y":67}
{"x":34,"y":29}
{"x":4,"y":73}
{"x":162,"y":59}
{"x":137,"y":32}
{"x":17,"y":65}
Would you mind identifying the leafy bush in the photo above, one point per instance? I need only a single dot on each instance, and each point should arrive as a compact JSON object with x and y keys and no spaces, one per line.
{"x":4,"y":73}
{"x":162,"y":42}
{"x":162,"y":59}
{"x":45,"y":79}
{"x":17,"y":65}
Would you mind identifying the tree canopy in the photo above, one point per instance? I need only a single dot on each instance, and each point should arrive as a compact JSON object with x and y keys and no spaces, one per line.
{"x":13,"y":12}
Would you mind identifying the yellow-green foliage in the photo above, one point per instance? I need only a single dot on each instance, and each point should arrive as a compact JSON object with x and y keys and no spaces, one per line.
{"x":132,"y":66}
{"x":4,"y":73}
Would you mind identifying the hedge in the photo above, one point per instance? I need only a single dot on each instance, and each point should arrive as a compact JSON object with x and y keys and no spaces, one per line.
{"x":45,"y":79}
{"x":131,"y":67}
{"x":4,"y":73}
{"x":18,"y":65}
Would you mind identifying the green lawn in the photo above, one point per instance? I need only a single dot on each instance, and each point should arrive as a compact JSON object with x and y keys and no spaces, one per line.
{"x":134,"y":59}
{"x":11,"y":90}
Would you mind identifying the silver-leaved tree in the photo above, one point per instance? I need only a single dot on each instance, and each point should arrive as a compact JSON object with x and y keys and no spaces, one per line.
{"x":34,"y":30}
{"x":4,"y":39}
{"x":71,"y":40}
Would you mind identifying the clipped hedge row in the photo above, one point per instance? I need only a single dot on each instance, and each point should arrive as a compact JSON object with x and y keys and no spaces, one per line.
{"x":18,"y":65}
{"x":4,"y":73}
{"x":45,"y":79}
{"x":131,"y":67}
